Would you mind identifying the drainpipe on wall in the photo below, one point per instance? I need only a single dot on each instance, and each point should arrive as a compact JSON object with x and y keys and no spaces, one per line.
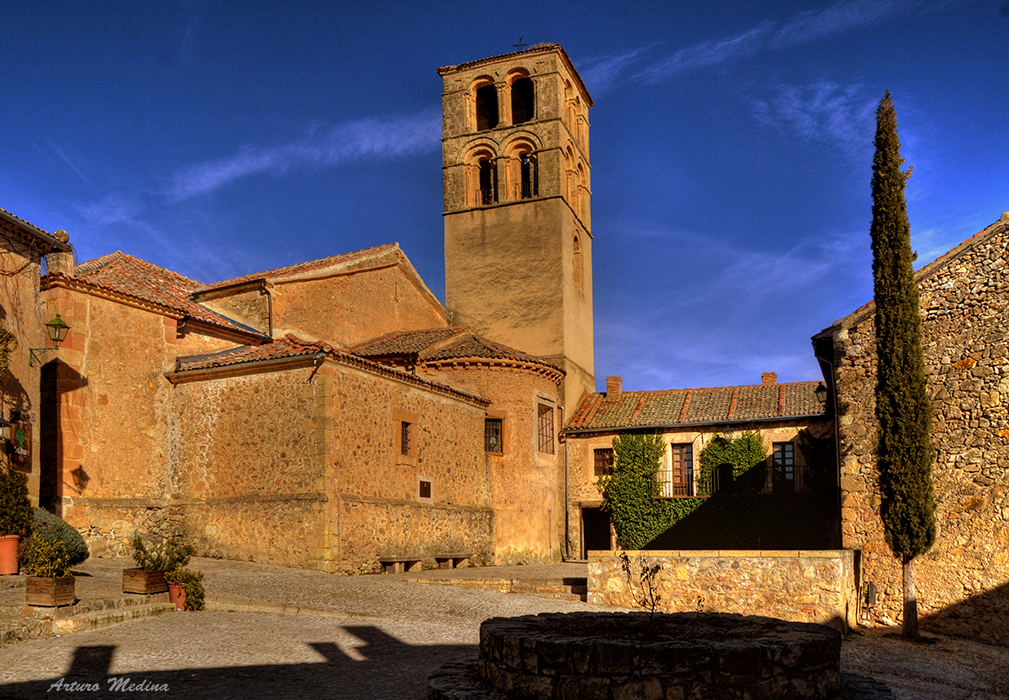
{"x":567,"y":507}
{"x":269,"y":306}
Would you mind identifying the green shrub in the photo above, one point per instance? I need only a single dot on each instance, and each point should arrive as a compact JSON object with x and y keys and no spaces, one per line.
{"x":164,"y":555}
{"x":48,"y":525}
{"x":191,"y":581}
{"x":630,"y":492}
{"x":15,"y":508}
{"x":47,"y":557}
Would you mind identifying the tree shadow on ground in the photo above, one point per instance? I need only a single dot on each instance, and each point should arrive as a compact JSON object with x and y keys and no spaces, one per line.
{"x":982,"y":616}
{"x":389,"y":669}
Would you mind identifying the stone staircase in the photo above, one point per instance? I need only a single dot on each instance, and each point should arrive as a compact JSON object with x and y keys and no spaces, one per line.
{"x":22,"y":622}
{"x":562,"y":588}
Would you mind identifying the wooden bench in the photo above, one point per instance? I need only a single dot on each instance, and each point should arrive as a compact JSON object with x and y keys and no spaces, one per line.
{"x":453,"y":561}
{"x":399,"y":565}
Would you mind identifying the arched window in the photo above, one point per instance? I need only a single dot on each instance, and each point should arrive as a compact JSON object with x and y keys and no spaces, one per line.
{"x":579,"y":273}
{"x":486,"y":108}
{"x":529,"y":176}
{"x":488,"y":181}
{"x":523,"y":101}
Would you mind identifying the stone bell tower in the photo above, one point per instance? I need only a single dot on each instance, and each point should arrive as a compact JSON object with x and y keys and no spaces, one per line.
{"x":518,"y":229}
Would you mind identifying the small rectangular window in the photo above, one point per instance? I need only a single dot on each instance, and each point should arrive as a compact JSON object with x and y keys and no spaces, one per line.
{"x":604,"y":462}
{"x":783,"y":462}
{"x":424,"y":489}
{"x":546,"y":428}
{"x":492,"y":435}
{"x":404,"y":438}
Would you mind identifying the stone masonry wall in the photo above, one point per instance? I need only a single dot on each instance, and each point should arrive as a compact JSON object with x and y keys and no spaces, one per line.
{"x":526,"y":485}
{"x":963,"y":581}
{"x":800,"y":586}
{"x":376,"y":507}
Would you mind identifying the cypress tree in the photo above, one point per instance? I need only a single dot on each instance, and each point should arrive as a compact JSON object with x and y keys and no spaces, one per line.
{"x":904,"y":451}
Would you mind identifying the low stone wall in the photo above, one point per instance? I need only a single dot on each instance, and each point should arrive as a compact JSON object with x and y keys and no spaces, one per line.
{"x":801,"y":586}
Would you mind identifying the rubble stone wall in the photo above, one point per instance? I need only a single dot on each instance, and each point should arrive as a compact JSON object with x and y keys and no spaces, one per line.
{"x":800,"y":586}
{"x":963,"y":581}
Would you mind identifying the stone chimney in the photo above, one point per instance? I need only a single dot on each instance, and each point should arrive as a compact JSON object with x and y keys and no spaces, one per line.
{"x":769,"y":378}
{"x":614,"y":388}
{"x":60,"y":261}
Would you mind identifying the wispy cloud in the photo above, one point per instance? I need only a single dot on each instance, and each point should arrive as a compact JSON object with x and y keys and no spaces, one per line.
{"x":600,"y":73}
{"x":805,"y":27}
{"x":68,"y":162}
{"x":377,"y":138}
{"x":823,"y":111}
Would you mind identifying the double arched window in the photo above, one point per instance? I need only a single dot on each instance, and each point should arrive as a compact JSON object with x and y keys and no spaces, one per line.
{"x":520,"y":104}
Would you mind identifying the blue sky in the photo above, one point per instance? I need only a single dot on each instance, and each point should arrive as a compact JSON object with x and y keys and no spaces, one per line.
{"x":731,"y":146}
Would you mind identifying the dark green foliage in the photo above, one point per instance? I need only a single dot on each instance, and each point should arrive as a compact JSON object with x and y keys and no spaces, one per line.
{"x":743,"y":455}
{"x":48,"y":525}
{"x":47,"y":557}
{"x":15,"y":508}
{"x":904,"y":450}
{"x":165,"y":555}
{"x":192,"y":582}
{"x":629,"y":492}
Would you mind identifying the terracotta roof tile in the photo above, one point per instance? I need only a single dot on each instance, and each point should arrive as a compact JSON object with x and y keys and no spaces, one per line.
{"x":287,"y":347}
{"x":140,"y":279}
{"x":440,"y":344}
{"x":33,"y":229}
{"x":686,"y":406}
{"x":305,"y":267}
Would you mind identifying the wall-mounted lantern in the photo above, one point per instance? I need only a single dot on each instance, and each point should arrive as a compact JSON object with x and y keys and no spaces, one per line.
{"x":57,"y":330}
{"x":821,"y":393}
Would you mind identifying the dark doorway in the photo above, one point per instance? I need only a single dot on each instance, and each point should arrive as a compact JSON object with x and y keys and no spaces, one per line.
{"x":595,"y":530}
{"x":49,"y":411}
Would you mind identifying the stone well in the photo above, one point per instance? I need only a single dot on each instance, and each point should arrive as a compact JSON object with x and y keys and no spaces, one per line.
{"x":612,"y":656}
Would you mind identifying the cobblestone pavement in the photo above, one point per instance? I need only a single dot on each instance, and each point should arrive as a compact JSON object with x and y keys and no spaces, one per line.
{"x":375,"y":637}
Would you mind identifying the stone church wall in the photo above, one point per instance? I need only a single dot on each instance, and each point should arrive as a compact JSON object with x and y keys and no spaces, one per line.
{"x":963,"y":581}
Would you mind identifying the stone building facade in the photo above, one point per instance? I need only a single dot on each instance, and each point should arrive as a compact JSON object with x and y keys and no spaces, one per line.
{"x":963,"y":581}
{"x":23,"y":248}
{"x":792,"y":503}
{"x":334,"y":412}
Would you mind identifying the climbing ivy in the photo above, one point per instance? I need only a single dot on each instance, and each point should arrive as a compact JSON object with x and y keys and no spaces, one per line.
{"x":742,"y":454}
{"x":630,"y":492}
{"x":7,"y":343}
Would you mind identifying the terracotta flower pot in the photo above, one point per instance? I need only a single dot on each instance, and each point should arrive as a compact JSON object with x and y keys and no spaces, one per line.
{"x":177,"y":595}
{"x":9,"y":554}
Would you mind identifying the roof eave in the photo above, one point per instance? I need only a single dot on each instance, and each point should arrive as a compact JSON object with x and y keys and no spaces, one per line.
{"x":701,"y":424}
{"x":35,"y":231}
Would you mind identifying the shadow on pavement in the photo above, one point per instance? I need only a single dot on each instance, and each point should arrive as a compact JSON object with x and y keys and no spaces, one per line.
{"x":389,"y":669}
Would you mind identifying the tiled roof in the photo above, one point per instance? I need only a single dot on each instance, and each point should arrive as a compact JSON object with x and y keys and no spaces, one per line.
{"x":727,"y":404}
{"x":441,"y":344}
{"x":305,"y":267}
{"x":125,"y":274}
{"x":291,"y":347}
{"x":33,"y":229}
{"x":287,"y":347}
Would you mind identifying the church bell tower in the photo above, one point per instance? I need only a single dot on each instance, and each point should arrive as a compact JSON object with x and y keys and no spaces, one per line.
{"x":518,"y":230}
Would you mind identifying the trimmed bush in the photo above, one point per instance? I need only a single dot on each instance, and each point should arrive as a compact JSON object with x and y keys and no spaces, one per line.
{"x":48,"y":525}
{"x":15,"y":508}
{"x":47,"y":557}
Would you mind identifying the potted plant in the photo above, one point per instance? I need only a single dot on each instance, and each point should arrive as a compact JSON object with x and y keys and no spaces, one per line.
{"x":185,"y":589}
{"x":152,"y":562}
{"x":15,"y":516}
{"x":49,"y":582}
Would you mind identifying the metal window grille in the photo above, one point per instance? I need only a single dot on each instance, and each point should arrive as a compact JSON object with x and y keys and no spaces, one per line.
{"x":404,"y":438}
{"x":678,"y":480}
{"x":604,"y":462}
{"x":546,"y":429}
{"x":492,"y":435}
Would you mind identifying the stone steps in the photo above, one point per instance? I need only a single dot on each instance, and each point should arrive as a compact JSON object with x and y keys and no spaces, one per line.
{"x":568,"y":588}
{"x":22,"y":622}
